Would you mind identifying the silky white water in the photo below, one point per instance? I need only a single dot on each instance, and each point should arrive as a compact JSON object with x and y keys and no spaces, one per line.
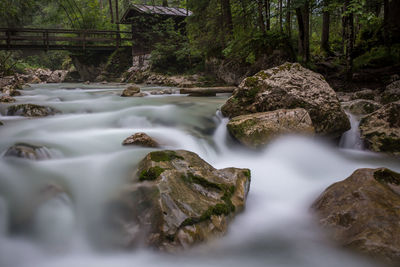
{"x":89,"y":162}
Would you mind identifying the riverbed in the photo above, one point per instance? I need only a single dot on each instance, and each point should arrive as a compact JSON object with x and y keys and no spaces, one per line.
{"x":87,"y":159}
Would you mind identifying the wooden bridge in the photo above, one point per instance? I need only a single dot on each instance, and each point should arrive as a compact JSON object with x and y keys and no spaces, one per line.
{"x":61,"y":39}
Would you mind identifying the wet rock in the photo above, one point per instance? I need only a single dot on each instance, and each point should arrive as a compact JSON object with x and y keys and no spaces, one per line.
{"x":11,"y":91}
{"x":175,"y":200}
{"x":140,"y":139}
{"x":380,"y":130}
{"x":35,"y":80}
{"x":362,"y":212}
{"x":361,"y":106}
{"x":57,"y":76}
{"x":1,"y":123}
{"x":130,"y":91}
{"x":391,"y":93}
{"x":258,"y":129}
{"x":161,"y":92}
{"x":28,"y":151}
{"x":24,"y":219}
{"x":290,"y":86}
{"x":367,"y":94}
{"x":30,"y":110}
{"x":7,"y":99}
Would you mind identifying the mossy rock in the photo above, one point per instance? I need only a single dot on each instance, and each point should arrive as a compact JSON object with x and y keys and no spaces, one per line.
{"x":290,"y":86}
{"x":177,"y":199}
{"x":30,"y":110}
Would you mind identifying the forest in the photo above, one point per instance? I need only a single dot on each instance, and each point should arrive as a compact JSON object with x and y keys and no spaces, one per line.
{"x":328,"y":35}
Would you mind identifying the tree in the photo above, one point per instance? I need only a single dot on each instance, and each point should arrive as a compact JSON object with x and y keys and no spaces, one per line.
{"x":325,"y":28}
{"x":261,"y":22}
{"x":267,"y":7}
{"x":227,"y":16}
{"x":288,"y":18}
{"x":303,"y":21}
{"x":349,"y":33}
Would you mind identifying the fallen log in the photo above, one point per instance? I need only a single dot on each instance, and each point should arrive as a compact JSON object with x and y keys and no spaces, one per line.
{"x":206,"y":91}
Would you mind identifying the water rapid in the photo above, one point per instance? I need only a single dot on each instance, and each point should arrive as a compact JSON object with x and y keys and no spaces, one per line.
{"x":276,"y":229}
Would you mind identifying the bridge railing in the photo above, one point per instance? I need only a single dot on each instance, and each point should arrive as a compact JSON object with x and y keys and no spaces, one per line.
{"x":61,"y":39}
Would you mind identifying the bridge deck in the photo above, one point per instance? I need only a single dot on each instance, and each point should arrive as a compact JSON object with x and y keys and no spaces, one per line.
{"x":62,"y":39}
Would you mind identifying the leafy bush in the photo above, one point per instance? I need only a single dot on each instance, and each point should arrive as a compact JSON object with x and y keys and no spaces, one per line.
{"x":378,"y":56}
{"x":174,"y":53}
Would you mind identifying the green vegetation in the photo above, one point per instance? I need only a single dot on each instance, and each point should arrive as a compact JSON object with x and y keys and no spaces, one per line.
{"x":245,"y":35}
{"x":166,"y":155}
{"x":219,"y":209}
{"x":151,"y":174}
{"x":387,"y":176}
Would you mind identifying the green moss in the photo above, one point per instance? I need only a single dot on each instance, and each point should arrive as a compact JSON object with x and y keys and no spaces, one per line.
{"x":247,"y":173}
{"x":151,"y":174}
{"x":387,"y":176}
{"x":239,"y":130}
{"x":1,"y":123}
{"x":253,"y":84}
{"x":263,"y":75}
{"x":191,"y":178}
{"x":390,"y":144}
{"x":166,"y":155}
{"x":219,"y":209}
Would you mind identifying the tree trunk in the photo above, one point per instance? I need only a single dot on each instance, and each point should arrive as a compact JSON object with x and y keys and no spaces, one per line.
{"x":165,"y":3}
{"x":227,"y":16}
{"x":288,"y":19}
{"x":280,"y":16}
{"x":303,"y":20}
{"x":261,"y":23}
{"x":386,"y":22}
{"x":267,"y":7}
{"x":349,"y":40}
{"x":325,"y":31}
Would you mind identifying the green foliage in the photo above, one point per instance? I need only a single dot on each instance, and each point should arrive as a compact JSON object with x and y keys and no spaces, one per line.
{"x":173,"y":54}
{"x":378,"y":56}
{"x":151,"y":174}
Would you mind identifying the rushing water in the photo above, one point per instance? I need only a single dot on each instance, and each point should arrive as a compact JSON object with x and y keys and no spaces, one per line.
{"x":276,"y":229}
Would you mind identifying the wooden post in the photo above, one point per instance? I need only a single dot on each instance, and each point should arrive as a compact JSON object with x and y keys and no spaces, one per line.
{"x":117,"y":22}
{"x":8,"y":39}
{"x":84,"y":40}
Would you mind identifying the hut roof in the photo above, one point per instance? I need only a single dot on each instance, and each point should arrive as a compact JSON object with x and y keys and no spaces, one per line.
{"x":153,"y":10}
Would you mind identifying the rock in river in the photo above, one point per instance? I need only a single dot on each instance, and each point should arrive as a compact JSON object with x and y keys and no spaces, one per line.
{"x":140,"y":139}
{"x":30,"y":110}
{"x":7,"y":99}
{"x":28,"y":151}
{"x":380,"y":130}
{"x":258,"y":129}
{"x":361,"y":106}
{"x":363,"y":212}
{"x":290,"y":86}
{"x":130,"y":91}
{"x":175,"y":199}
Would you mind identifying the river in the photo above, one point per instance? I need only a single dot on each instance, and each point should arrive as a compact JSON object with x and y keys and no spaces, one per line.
{"x":87,"y":158}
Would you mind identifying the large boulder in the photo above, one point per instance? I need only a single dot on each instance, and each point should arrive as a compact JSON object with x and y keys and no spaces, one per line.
{"x":28,"y":151}
{"x":362,"y":212}
{"x":290,"y":86}
{"x":7,"y":99}
{"x":140,"y":139}
{"x":391,"y":93}
{"x":130,"y":91}
{"x":257,"y":129}
{"x":361,"y":106}
{"x":30,"y":110}
{"x":380,"y":130}
{"x":367,"y":94}
{"x":175,"y":200}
